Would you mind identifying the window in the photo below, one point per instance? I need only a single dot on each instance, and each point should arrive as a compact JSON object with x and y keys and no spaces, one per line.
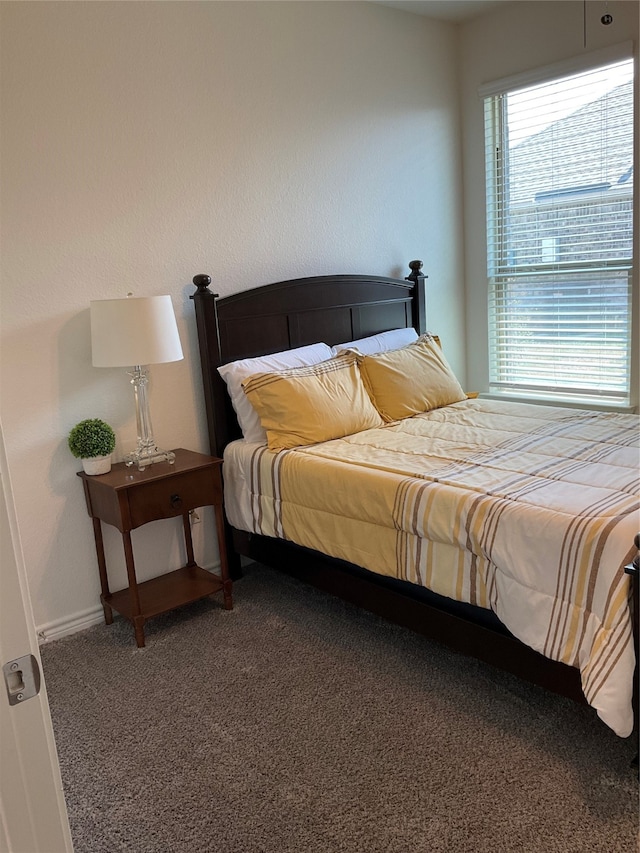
{"x":560,"y":235}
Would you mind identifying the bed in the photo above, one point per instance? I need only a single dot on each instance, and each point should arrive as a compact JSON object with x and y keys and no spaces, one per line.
{"x":429,"y":566}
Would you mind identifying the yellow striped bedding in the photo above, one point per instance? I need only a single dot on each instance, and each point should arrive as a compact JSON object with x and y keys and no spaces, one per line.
{"x":528,"y":510}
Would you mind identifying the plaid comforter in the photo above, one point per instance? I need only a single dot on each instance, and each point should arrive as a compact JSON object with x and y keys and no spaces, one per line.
{"x":528,"y":510}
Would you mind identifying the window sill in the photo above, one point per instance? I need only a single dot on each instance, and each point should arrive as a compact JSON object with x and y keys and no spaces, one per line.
{"x":590,"y":404}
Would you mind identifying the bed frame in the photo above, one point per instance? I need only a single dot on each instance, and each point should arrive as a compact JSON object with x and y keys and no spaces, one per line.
{"x":333,"y":309}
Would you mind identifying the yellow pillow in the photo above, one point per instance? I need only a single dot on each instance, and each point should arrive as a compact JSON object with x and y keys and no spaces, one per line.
{"x":305,"y":405}
{"x":410,"y":380}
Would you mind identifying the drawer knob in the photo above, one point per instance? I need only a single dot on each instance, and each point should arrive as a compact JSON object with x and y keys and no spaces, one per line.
{"x":176,"y":501}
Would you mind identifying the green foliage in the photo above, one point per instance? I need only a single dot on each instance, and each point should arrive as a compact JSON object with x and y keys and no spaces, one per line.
{"x":92,"y":437}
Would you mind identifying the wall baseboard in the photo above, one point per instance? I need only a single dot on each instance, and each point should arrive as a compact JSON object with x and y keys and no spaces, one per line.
{"x":82,"y":620}
{"x":69,"y":624}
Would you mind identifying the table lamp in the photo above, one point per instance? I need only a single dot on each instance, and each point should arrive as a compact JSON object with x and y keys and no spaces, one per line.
{"x":135,"y":332}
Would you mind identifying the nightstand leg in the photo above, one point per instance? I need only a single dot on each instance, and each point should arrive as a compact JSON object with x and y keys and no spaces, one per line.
{"x":188,"y":540}
{"x":137,"y":619}
{"x":138,"y":629}
{"x":102,"y":569}
{"x":226,"y":592}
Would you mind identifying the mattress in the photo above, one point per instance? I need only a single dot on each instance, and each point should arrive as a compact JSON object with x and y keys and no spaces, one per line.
{"x":527,"y":510}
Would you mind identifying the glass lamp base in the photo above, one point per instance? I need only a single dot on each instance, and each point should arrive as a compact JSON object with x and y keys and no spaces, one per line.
{"x":145,"y":456}
{"x":146,"y":452}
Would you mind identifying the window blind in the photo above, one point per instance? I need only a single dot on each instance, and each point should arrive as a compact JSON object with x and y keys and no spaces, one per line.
{"x":559,"y":162}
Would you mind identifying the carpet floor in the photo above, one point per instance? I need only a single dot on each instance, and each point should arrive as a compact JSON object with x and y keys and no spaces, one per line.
{"x":296,"y":722}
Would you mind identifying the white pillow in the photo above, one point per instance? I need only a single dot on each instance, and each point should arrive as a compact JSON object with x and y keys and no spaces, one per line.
{"x":395,"y":339}
{"x":236,"y":371}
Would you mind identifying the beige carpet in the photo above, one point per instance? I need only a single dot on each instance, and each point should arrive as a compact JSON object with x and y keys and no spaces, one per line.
{"x":298,"y":723}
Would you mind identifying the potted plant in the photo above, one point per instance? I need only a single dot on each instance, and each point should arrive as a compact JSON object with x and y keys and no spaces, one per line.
{"x":93,"y":441}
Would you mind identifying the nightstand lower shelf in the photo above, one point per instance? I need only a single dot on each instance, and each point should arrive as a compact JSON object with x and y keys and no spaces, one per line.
{"x":164,"y":593}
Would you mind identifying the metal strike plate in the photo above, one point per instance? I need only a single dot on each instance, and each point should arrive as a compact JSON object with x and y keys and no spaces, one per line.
{"x":22,"y":678}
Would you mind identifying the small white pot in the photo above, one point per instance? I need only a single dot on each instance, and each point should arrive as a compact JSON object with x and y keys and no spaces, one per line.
{"x":97,"y":464}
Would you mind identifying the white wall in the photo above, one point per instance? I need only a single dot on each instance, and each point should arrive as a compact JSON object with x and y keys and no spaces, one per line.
{"x":521,"y":36}
{"x":143,"y":143}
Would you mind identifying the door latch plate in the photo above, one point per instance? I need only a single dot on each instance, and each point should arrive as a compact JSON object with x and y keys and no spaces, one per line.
{"x":22,"y":679}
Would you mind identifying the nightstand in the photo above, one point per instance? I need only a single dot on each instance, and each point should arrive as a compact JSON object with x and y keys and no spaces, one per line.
{"x":128,"y":498}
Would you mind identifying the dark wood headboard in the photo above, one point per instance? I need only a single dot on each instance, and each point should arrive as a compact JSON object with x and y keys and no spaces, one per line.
{"x":288,"y":314}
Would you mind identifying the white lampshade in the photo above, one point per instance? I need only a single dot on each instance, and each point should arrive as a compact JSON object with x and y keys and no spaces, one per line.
{"x":134,"y":331}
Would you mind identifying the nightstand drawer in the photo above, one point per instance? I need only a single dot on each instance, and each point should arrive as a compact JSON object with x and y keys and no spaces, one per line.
{"x":174,"y":496}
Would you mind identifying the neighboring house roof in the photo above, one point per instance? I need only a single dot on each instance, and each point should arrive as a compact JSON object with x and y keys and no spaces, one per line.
{"x":574,"y":145}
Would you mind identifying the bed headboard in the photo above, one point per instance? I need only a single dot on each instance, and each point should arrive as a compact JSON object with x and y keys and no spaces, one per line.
{"x":287,"y":314}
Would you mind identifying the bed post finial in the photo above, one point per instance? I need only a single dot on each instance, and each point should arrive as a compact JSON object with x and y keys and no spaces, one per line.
{"x":415,"y":267}
{"x":419,"y":309}
{"x":202,"y":282}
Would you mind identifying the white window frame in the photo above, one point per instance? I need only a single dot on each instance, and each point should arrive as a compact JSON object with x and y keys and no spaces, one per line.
{"x":498,"y":268}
